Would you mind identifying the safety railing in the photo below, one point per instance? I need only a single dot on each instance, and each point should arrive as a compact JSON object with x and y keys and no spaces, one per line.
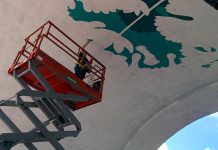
{"x":50,"y":32}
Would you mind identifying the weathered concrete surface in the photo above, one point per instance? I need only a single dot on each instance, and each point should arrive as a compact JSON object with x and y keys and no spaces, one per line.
{"x":141,"y":108}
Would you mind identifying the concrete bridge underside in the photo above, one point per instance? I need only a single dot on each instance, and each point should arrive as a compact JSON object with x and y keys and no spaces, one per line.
{"x":141,"y":107}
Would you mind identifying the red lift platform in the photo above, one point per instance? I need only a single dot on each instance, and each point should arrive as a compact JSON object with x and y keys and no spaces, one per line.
{"x":60,"y":78}
{"x":43,"y":68}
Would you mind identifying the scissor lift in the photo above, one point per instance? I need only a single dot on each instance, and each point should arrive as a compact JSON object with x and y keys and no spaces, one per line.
{"x":52,"y":87}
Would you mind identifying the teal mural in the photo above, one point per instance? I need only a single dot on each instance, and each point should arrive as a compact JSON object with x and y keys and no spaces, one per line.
{"x":142,"y":33}
{"x":202,"y":49}
{"x":211,"y":50}
{"x":209,"y":64}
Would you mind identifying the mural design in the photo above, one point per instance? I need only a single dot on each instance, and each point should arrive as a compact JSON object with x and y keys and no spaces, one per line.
{"x":204,"y":50}
{"x":213,"y":3}
{"x":142,"y":34}
{"x":209,"y":64}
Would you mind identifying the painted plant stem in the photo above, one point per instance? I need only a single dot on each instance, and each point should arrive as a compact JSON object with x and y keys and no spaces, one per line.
{"x":140,"y":17}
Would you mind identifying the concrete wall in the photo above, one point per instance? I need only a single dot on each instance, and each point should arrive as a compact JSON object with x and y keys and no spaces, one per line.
{"x":142,"y":106}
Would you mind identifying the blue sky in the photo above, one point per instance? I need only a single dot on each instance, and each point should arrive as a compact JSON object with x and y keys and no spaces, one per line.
{"x":199,"y":135}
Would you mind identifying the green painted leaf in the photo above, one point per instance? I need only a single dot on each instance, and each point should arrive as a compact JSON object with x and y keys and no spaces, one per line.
{"x":142,"y":33}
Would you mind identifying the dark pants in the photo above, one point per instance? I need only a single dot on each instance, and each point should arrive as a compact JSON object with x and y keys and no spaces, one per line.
{"x":80,"y":72}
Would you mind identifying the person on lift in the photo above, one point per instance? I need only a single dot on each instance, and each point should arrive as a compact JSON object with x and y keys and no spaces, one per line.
{"x":83,"y":65}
